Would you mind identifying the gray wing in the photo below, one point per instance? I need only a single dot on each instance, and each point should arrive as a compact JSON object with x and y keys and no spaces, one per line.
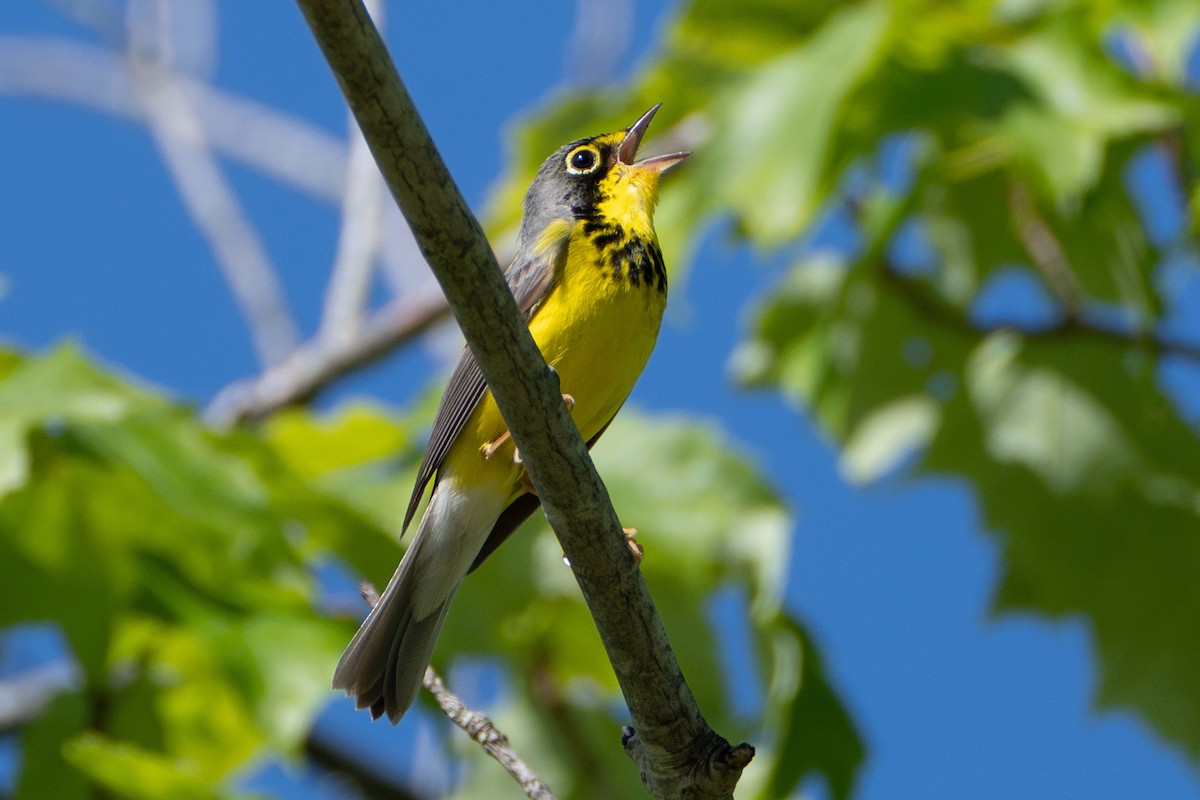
{"x":529,"y":279}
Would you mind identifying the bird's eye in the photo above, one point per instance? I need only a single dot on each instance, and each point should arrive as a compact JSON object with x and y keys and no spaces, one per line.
{"x":583,"y":160}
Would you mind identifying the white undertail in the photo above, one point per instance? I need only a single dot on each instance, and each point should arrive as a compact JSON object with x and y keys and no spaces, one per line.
{"x":384,"y":665}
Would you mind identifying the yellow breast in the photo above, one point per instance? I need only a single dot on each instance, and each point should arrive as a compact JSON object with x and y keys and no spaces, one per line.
{"x":596,"y":328}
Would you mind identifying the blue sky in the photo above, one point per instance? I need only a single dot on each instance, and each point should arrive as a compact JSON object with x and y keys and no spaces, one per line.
{"x":893,"y":581}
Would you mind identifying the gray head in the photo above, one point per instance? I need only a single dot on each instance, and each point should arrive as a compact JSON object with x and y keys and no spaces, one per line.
{"x":572,"y":183}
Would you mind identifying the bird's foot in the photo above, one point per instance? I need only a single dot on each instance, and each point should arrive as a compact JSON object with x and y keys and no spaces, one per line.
{"x":489,"y":449}
{"x":635,"y":549}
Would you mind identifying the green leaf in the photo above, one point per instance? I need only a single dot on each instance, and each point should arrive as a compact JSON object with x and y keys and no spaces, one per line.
{"x":132,"y":773}
{"x":59,"y":566}
{"x":174,"y":559}
{"x":1069,"y":422}
{"x":767,"y":158}
{"x":64,"y":387}
{"x":689,"y":490}
{"x":44,"y":772}
{"x":1040,"y":420}
{"x":1164,"y":33}
{"x":816,"y":734}
{"x":293,"y":658}
{"x":59,"y":388}
{"x":1107,"y":522}
{"x":1082,"y":102}
{"x":354,"y":435}
{"x":887,"y":436}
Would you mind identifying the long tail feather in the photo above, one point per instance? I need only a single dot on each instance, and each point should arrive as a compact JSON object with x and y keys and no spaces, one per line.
{"x":384,"y":665}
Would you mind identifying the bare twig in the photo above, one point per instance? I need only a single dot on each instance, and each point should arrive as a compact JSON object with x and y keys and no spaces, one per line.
{"x":677,"y":753}
{"x":357,"y":247}
{"x":598,"y":40}
{"x":209,"y":199}
{"x":281,"y":146}
{"x":483,"y":731}
{"x":478,"y":726}
{"x":1045,"y":251}
{"x":315,"y":365}
{"x":1081,"y":326}
{"x":359,"y":236}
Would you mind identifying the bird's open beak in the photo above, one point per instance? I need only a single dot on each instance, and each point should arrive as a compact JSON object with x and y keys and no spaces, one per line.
{"x":627,"y":149}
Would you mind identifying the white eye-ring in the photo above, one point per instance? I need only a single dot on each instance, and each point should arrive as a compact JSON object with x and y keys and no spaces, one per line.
{"x":583,"y":160}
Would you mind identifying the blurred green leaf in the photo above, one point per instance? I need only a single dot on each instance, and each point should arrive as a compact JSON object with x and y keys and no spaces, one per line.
{"x":135,"y":774}
{"x":175,"y":561}
{"x":356,"y":434}
{"x":887,"y":436}
{"x":1005,"y":137}
{"x":767,"y":158}
{"x":1108,"y":513}
{"x":707,"y":519}
{"x":44,"y":772}
{"x":1081,"y":102}
{"x":816,"y":734}
{"x":292,"y":659}
{"x":59,"y":566}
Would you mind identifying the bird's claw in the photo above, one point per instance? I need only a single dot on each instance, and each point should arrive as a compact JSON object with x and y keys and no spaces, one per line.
{"x":489,"y":449}
{"x":635,"y":549}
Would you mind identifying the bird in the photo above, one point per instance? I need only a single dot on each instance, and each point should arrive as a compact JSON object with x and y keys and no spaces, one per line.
{"x":590,"y":280}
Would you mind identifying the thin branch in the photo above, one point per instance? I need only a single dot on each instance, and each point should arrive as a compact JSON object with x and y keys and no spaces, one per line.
{"x":937,"y":309}
{"x":281,"y":146}
{"x":359,"y":236}
{"x":315,"y":365}
{"x":357,"y":247}
{"x":476,"y":725}
{"x":480,"y":728}
{"x":214,"y":207}
{"x":1045,"y":251}
{"x":677,"y":753}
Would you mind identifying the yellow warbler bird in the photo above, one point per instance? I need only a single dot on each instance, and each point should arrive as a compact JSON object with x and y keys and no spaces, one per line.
{"x":590,"y":280}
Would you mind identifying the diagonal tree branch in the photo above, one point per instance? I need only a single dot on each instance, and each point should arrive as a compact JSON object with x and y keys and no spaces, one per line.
{"x":281,"y":146}
{"x":1081,"y":326}
{"x":1046,"y":253}
{"x":315,"y":365}
{"x":359,"y":237}
{"x":212,"y":204}
{"x":677,"y":753}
